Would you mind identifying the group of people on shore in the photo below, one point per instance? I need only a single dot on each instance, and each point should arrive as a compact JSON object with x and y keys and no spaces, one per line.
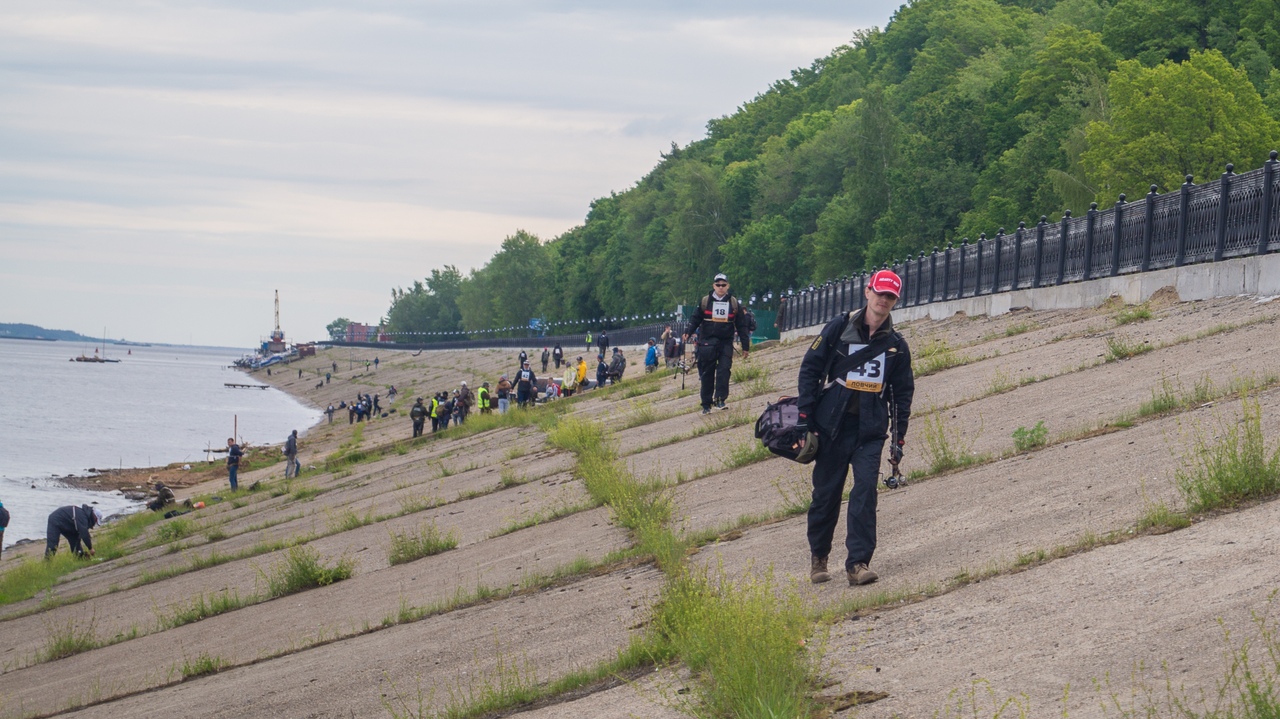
{"x":444,"y":408}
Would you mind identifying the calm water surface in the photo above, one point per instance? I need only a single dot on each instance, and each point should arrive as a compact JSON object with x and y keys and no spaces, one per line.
{"x":158,"y":405}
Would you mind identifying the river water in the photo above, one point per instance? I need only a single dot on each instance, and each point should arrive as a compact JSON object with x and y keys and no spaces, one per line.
{"x":157,"y":406}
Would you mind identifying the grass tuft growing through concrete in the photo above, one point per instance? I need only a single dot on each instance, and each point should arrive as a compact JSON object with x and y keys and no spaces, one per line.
{"x":301,"y":569}
{"x":1233,"y":469}
{"x":426,"y":541}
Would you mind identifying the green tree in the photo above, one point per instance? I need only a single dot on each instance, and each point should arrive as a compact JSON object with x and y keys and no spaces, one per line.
{"x":1175,"y":119}
{"x":1067,"y":55}
{"x":338,"y":328}
{"x":1155,"y":30}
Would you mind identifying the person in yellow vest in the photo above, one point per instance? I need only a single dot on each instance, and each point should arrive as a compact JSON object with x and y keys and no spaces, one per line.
{"x":435,"y":412}
{"x":582,"y":373}
{"x":570,"y":380}
{"x":482,"y":398}
{"x":588,"y":341}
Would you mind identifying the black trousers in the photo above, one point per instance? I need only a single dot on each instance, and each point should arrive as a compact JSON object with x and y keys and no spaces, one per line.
{"x":54,"y":532}
{"x":715,"y":362}
{"x":829,"y":472}
{"x":417,"y":426}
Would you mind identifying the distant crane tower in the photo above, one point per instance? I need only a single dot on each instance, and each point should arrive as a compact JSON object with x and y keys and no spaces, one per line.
{"x":277,"y":343}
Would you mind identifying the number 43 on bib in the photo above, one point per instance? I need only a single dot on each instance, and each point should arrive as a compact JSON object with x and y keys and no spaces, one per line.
{"x":868,"y":376}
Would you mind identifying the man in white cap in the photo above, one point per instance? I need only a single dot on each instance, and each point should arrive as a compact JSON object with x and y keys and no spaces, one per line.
{"x":73,"y":523}
{"x":855,"y":389}
{"x":717,"y":320}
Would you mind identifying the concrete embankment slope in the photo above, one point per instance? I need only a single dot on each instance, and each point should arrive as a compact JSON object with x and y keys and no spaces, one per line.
{"x":1069,"y":592}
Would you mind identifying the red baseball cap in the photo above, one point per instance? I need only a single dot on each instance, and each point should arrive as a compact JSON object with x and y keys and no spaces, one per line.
{"x":886,"y":281}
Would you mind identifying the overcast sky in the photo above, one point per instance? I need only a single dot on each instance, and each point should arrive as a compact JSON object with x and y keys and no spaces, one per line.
{"x":164,"y":165}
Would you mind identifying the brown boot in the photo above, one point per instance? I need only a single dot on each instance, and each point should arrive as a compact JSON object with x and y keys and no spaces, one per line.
{"x":861,"y":574}
{"x":818,"y":570}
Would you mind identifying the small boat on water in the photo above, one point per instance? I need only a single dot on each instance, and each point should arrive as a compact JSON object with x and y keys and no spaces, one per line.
{"x":93,"y":358}
{"x":97,"y":358}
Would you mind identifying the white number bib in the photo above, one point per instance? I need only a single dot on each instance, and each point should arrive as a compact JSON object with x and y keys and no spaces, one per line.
{"x":868,"y":376}
{"x":720,"y":311}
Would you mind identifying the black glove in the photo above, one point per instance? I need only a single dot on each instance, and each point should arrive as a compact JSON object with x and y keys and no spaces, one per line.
{"x":895,"y":451}
{"x":803,"y":424}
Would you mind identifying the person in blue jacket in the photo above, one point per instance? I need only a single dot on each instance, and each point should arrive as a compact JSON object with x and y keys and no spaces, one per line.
{"x":651,"y":356}
{"x":73,"y":523}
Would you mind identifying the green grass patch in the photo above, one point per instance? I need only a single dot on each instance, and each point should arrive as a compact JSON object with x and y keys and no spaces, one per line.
{"x":935,"y":357}
{"x":746,"y":452}
{"x":424,"y":542}
{"x":203,"y":607}
{"x":202,"y":665}
{"x":744,"y":373}
{"x":306,"y":493}
{"x":175,"y":528}
{"x":1129,"y":315}
{"x":69,"y":638}
{"x":1232,"y":469}
{"x":1028,"y":439}
{"x":946,"y":448}
{"x":301,"y":569}
{"x":1119,"y":348}
{"x":1157,"y":517}
{"x":744,"y":641}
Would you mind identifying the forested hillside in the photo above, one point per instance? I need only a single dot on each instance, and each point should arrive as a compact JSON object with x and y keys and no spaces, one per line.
{"x":959,"y":117}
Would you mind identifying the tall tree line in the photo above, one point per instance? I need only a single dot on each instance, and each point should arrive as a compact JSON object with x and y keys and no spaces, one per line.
{"x":959,"y":117}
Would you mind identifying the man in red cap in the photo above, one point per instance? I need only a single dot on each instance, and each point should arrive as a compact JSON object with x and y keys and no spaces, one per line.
{"x":852,"y":403}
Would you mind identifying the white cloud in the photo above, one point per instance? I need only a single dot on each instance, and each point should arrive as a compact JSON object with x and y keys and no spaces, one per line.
{"x":207,"y":154}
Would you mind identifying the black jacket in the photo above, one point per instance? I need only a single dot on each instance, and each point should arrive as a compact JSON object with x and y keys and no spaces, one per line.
{"x":828,"y":410}
{"x":74,"y":520}
{"x":712,"y":331}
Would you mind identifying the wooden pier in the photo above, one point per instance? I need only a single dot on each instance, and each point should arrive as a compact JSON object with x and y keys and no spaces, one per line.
{"x":245,"y":386}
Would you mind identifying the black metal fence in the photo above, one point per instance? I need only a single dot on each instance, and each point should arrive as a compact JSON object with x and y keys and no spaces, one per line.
{"x":571,"y":344}
{"x":1234,"y":216}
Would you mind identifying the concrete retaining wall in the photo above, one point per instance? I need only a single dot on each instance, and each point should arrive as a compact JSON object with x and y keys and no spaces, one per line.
{"x":1255,"y":275}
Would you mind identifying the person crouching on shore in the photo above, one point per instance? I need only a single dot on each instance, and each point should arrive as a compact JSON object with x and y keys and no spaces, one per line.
{"x":73,"y":523}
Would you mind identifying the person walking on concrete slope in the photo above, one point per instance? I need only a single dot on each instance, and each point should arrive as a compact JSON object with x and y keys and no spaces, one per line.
{"x":557,"y":354}
{"x":716,"y":321}
{"x":73,"y":523}
{"x":546,"y":358}
{"x":526,"y":385}
{"x":617,"y":365}
{"x":524,"y":357}
{"x":4,"y":522}
{"x":233,"y":461}
{"x":465,"y":401}
{"x":588,"y":341}
{"x":418,"y":413}
{"x":669,"y":345}
{"x":852,"y":417}
{"x":602,"y":370}
{"x":582,"y":373}
{"x":603,"y":341}
{"x":651,"y":356}
{"x":291,"y":465}
{"x":569,"y":382}
{"x":482,"y":398}
{"x":504,"y":394}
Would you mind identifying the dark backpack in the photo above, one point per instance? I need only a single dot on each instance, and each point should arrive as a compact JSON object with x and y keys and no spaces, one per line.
{"x":751,"y":320}
{"x":777,"y":430}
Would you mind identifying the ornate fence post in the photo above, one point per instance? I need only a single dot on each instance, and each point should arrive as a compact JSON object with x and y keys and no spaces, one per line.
{"x":946,"y":272}
{"x":1116,"y":233}
{"x":1090,"y":220}
{"x":964,"y":247}
{"x":862,"y":289}
{"x":1224,"y":206}
{"x":1062,"y":246}
{"x":1148,"y":229}
{"x":977,"y":268}
{"x":995,"y":273}
{"x":919,"y":269}
{"x":1268,"y":182}
{"x":933,"y":273}
{"x":1017,"y":252}
{"x":1184,"y":208}
{"x":1035,"y":277}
